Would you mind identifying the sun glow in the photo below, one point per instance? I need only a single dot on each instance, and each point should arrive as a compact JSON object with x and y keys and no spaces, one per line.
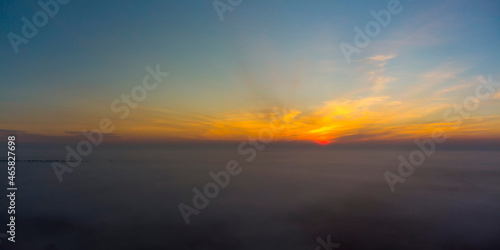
{"x":323,"y":141}
{"x":373,"y":118}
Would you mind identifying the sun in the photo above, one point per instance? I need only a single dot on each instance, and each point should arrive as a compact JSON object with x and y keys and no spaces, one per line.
{"x":323,"y":141}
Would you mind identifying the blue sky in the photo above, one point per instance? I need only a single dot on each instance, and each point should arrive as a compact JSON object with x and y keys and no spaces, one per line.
{"x":264,"y":54}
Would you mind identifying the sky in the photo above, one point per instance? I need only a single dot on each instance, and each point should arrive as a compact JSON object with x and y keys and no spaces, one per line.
{"x":266,"y":61}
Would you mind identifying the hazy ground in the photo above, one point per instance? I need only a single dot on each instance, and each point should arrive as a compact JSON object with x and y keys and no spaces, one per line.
{"x":284,"y":199}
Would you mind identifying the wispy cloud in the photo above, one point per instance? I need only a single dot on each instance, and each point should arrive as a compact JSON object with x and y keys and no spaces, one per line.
{"x":380,"y":82}
{"x":381,"y":60}
{"x":455,"y":88}
{"x":378,"y":76}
